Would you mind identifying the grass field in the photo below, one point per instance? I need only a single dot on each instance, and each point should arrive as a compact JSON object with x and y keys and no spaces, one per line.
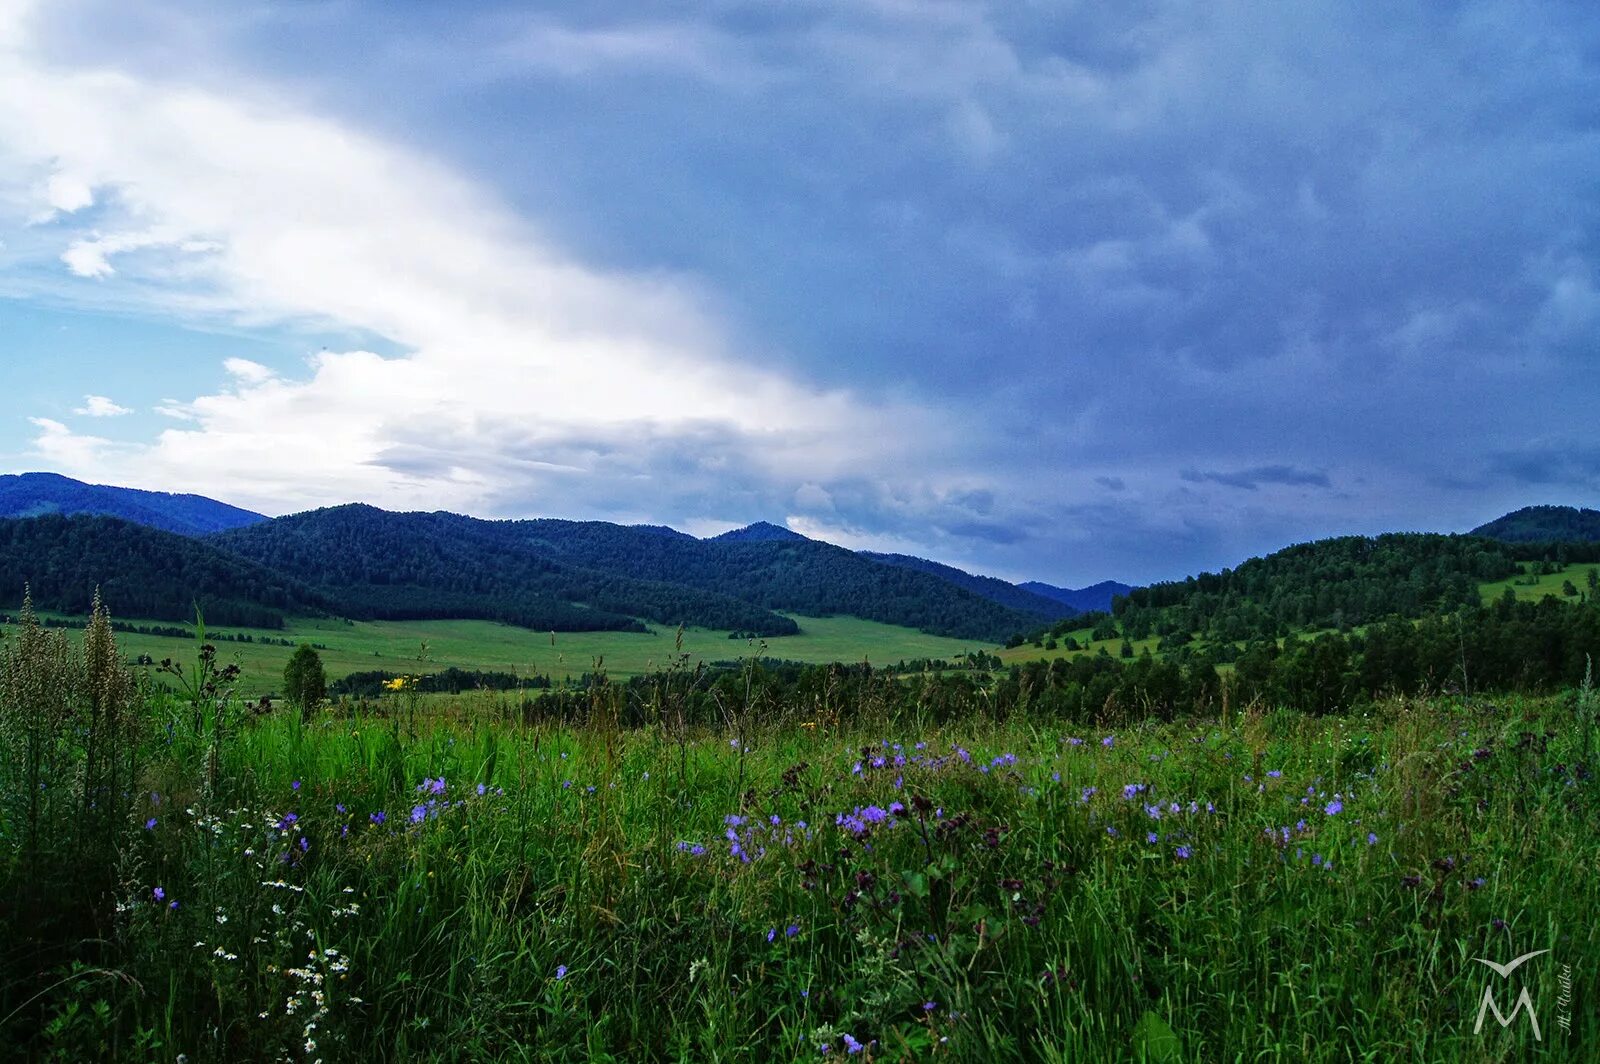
{"x":1547,"y":584}
{"x":396,"y":646}
{"x":1270,"y":888}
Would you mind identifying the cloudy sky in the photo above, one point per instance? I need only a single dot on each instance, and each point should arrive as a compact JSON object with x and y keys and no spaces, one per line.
{"x":1055,"y":290}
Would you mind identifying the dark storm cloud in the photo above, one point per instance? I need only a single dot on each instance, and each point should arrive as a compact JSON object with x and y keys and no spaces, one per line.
{"x":1265,"y":245}
{"x":1251,"y":479}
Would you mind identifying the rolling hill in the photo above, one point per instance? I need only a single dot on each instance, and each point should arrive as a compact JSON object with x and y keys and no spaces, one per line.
{"x":1330,"y":583}
{"x":1094,"y":598}
{"x":142,"y":572}
{"x":991,"y":588}
{"x":413,"y":566}
{"x":778,"y":572}
{"x":581,"y":575}
{"x":37,"y":494}
{"x":1544,"y":524}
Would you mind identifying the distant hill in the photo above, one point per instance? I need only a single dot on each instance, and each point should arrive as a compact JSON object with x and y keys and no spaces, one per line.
{"x":1544,"y":524}
{"x":142,"y":572}
{"x":991,"y":588}
{"x":1084,"y":599}
{"x":760,"y":532}
{"x":1330,"y":583}
{"x":37,"y":494}
{"x":778,"y":570}
{"x":429,"y":565}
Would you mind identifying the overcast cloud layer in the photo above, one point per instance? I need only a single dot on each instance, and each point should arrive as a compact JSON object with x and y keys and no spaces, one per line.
{"x":1049,"y":290}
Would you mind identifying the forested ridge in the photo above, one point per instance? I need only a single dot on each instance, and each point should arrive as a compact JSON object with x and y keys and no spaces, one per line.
{"x":1544,"y":524}
{"x":791,"y":573}
{"x":37,"y":494}
{"x":418,"y":566}
{"x":1330,"y":583}
{"x":143,"y":572}
{"x":989,"y":587}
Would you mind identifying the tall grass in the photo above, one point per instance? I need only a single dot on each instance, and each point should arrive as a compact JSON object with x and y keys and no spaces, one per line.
{"x":464,"y":885}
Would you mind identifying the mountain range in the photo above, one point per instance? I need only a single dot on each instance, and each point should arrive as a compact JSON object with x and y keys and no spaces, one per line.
{"x":156,"y":555}
{"x":37,"y":494}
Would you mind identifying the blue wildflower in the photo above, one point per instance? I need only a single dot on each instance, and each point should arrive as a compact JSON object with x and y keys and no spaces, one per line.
{"x":561,"y":971}
{"x":150,"y":825}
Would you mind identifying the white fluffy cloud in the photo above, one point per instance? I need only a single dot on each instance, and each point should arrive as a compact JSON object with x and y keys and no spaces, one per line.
{"x":514,"y":355}
{"x":100,"y":406}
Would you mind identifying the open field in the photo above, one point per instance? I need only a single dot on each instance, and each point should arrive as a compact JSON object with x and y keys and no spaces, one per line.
{"x":396,"y":646}
{"x":1543,"y":585}
{"x":455,"y":886}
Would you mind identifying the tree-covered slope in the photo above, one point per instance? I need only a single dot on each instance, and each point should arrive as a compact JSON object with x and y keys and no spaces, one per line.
{"x":789,"y":573}
{"x":1544,"y":524}
{"x":992,"y":588}
{"x":1091,"y":599}
{"x":1331,"y":583}
{"x":36,"y":494}
{"x":142,"y":572}
{"x":429,"y":565}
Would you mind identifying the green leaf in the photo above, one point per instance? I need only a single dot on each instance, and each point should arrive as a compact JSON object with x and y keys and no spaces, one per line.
{"x":1154,"y":1041}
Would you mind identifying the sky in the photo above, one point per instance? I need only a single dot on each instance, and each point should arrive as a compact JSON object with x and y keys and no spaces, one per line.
{"x":1062,"y":291}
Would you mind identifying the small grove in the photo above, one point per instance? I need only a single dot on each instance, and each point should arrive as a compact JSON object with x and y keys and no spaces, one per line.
{"x":770,"y":862}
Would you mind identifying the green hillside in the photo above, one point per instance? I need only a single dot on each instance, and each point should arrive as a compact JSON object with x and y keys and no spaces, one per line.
{"x":37,"y":494}
{"x":577,"y":575}
{"x":144,"y":571}
{"x":423,"y":566}
{"x":1544,"y":524}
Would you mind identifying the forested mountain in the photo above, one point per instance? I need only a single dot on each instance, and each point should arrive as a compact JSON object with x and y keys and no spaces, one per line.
{"x":36,"y":494}
{"x":760,"y":532}
{"x":991,"y":588}
{"x":1544,"y":524}
{"x":1331,"y":583}
{"x":1096,"y":598}
{"x":790,"y":573}
{"x":421,"y":565}
{"x":142,"y":572}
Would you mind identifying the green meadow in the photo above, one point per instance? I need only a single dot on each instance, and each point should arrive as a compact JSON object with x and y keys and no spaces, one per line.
{"x":408,"y":647}
{"x":743,"y":879}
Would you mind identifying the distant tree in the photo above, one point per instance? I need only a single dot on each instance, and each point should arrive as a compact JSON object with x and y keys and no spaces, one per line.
{"x":305,"y":682}
{"x":1569,"y":589}
{"x":1594,"y":579}
{"x":1127,"y":648}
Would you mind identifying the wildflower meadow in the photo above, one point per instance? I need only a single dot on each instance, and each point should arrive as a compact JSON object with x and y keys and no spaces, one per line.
{"x":191,"y":877}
